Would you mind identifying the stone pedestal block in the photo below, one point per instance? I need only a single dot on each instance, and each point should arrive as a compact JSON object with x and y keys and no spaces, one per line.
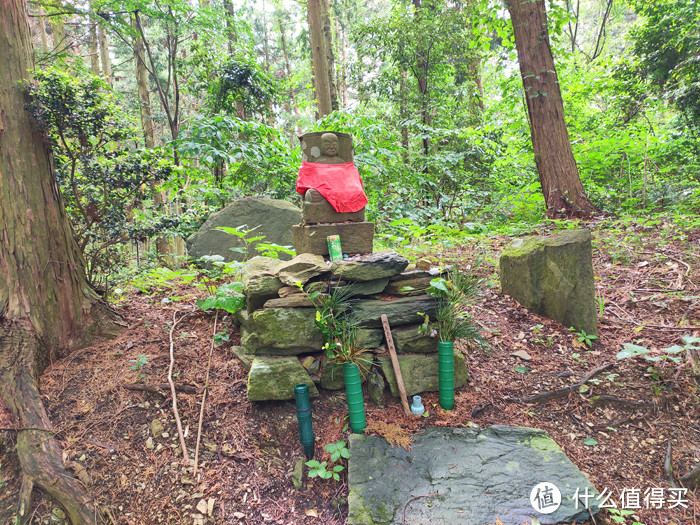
{"x":316,"y":209}
{"x":355,"y":237}
{"x":553,"y":276}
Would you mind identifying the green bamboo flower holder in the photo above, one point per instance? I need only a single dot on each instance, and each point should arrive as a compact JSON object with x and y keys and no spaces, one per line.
{"x":446,"y":374}
{"x":356,"y":405}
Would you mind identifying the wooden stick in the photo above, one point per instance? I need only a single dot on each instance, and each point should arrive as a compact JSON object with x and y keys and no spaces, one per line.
{"x":395,"y":364}
{"x":185,"y":456}
{"x":204,"y":398}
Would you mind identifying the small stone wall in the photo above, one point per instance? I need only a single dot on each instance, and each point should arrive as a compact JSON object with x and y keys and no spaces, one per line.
{"x":281,"y":345}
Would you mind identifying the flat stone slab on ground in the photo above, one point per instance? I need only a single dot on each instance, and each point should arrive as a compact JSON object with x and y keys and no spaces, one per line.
{"x":461,"y":476}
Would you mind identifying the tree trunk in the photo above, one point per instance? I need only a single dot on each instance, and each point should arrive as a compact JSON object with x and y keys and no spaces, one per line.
{"x":318,"y":58}
{"x":92,"y":45}
{"x":561,"y":185}
{"x":103,"y":39}
{"x":422,"y":67}
{"x":42,"y":29}
{"x":288,"y":67}
{"x":47,"y":308}
{"x":59,"y":33}
{"x":330,"y":55}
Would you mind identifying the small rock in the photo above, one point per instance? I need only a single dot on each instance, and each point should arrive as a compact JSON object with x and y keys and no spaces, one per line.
{"x":522,"y":354}
{"x":423,"y":264}
{"x":298,"y":474}
{"x":202,"y":506}
{"x":157,"y":427}
{"x":210,"y":506}
{"x":238,"y":515}
{"x":307,"y":362}
{"x":149,"y":443}
{"x":288,"y":290}
{"x":315,"y":367}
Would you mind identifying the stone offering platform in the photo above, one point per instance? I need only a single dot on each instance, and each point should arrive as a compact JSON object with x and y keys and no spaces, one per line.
{"x":462,"y":476}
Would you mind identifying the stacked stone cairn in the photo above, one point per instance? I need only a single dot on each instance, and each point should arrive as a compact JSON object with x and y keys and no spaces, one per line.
{"x":280,"y":343}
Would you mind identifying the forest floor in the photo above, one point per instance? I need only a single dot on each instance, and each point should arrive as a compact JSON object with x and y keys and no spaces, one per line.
{"x":104,"y":406}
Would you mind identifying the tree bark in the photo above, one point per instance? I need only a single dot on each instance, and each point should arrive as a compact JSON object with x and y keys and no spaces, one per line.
{"x":103,"y":39}
{"x":47,"y":308}
{"x":59,"y":33}
{"x":330,"y":55}
{"x":92,"y":47}
{"x":318,"y":58}
{"x":288,"y":68}
{"x":561,"y":185}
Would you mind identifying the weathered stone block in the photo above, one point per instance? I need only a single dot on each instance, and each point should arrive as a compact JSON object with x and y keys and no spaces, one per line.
{"x":355,"y":237}
{"x":301,"y":268}
{"x":369,"y":267}
{"x":296,"y":300}
{"x":370,"y":338}
{"x":553,"y":276}
{"x":399,"y":312}
{"x":332,"y":375}
{"x":271,"y":218}
{"x":274,"y":378}
{"x":282,"y":331}
{"x":372,"y":287}
{"x":409,"y":340}
{"x":259,"y":290}
{"x":420,"y":372}
{"x":316,"y":209}
{"x":245,"y":358}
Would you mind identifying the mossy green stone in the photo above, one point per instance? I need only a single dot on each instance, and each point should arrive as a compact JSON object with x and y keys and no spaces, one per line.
{"x":274,"y":378}
{"x":420,"y":372}
{"x":553,"y":276}
{"x":282,"y":331}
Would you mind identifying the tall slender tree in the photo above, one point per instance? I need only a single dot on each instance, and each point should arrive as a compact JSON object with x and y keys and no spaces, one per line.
{"x":47,"y":308}
{"x":319,"y":58}
{"x":559,"y":177}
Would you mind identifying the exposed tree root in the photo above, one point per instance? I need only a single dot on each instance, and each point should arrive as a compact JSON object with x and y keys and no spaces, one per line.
{"x":691,"y":480}
{"x":38,"y":452}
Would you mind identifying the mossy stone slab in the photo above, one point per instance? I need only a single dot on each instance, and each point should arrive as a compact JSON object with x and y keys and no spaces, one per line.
{"x":420,"y":372}
{"x":473,"y":477}
{"x":409,"y":339}
{"x":400,"y":312}
{"x":274,"y":378}
{"x":553,"y":276}
{"x":369,"y":267}
{"x":282,"y":331}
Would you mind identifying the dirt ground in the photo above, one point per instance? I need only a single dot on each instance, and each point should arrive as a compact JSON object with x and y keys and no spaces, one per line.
{"x":106,"y":401}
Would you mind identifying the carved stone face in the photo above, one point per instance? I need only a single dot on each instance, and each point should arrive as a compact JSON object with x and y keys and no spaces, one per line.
{"x":329,"y":145}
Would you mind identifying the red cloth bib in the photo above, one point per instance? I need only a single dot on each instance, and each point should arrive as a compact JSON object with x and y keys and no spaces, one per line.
{"x":340,"y":184}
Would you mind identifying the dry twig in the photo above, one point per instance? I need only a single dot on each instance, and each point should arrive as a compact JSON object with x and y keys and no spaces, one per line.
{"x":415,"y":498}
{"x":185,"y":456}
{"x":204,"y":398}
{"x":546,"y":396}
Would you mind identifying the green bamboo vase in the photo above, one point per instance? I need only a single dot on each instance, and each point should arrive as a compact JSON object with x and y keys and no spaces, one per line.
{"x":306,"y":431}
{"x":446,"y":374}
{"x":356,"y":405}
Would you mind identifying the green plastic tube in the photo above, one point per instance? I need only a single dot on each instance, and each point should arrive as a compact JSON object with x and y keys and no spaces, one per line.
{"x":356,"y":405}
{"x":446,"y":374}
{"x":306,"y":431}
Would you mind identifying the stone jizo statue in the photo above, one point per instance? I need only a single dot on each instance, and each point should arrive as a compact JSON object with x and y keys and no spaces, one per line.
{"x":330,"y":148}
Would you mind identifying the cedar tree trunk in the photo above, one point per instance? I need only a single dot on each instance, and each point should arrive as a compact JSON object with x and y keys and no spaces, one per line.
{"x":561,"y":185}
{"x":318,"y":57}
{"x":46,"y":305}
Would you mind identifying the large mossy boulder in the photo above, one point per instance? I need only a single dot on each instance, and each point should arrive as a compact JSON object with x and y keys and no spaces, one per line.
{"x":553,"y":276}
{"x":269,"y":217}
{"x":274,"y":378}
{"x":465,"y":476}
{"x":282,"y":331}
{"x":420,"y":372}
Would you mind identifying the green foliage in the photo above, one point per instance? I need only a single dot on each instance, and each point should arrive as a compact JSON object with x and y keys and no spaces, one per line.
{"x":226,"y":297}
{"x":221,"y":337}
{"x":138,"y":365}
{"x":583,"y":337}
{"x":101,"y":179}
{"x":326,"y":470}
{"x":620,"y":516}
{"x":337,"y":450}
{"x":453,"y":295}
{"x":671,"y":353}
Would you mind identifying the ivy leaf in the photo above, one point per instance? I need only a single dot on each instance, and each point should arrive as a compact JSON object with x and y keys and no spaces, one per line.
{"x":522,"y":369}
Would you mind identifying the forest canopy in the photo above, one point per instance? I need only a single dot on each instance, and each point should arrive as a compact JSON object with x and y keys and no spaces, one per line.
{"x":160,"y":113}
